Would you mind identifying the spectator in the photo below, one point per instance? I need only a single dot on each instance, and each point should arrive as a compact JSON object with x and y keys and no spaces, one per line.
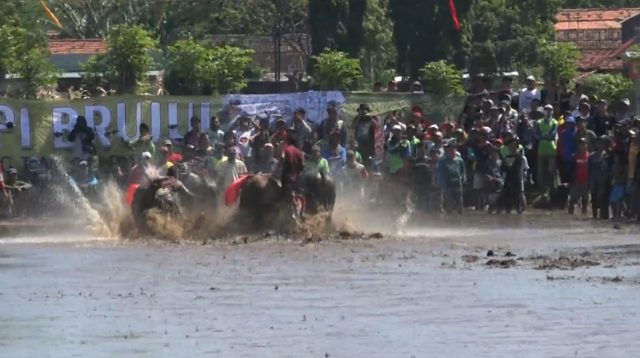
{"x":258,"y":140}
{"x":528,"y":94}
{"x":601,"y":122}
{"x":266,"y":162}
{"x":546,"y":133}
{"x":302,"y":130}
{"x":82,"y":137}
{"x":399,"y":151}
{"x":334,"y":153}
{"x":316,"y":163}
{"x":587,"y":134}
{"x":243,"y":134}
{"x":216,"y":134}
{"x":138,"y":173}
{"x":623,"y":114}
{"x":377,"y":87}
{"x":392,"y":86}
{"x":145,"y":142}
{"x":580,"y":178}
{"x":514,"y":168}
{"x":230,"y":168}
{"x":451,"y":177}
{"x":195,"y":141}
{"x":600,"y":164}
{"x":568,"y":142}
{"x":331,"y":124}
{"x":353,"y":175}
{"x":365,"y":134}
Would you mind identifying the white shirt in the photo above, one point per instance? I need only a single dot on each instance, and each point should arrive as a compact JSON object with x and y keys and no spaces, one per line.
{"x":526,"y":97}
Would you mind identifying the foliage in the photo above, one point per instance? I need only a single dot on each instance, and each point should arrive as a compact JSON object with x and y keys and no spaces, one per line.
{"x":442,"y":78}
{"x":378,"y":53}
{"x":610,"y":86}
{"x":334,"y":70}
{"x":127,"y":59}
{"x":559,"y":61}
{"x":192,"y":67}
{"x":423,"y":32}
{"x":24,"y":53}
{"x":337,"y":25}
{"x":581,"y":4}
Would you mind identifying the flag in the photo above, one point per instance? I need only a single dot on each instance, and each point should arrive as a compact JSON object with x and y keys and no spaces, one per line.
{"x":50,"y":14}
{"x":454,"y":15}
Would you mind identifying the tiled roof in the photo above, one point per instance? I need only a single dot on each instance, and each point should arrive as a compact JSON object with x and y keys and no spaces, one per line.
{"x":74,"y":46}
{"x":604,"y":60}
{"x":618,"y":15}
{"x":587,"y":25}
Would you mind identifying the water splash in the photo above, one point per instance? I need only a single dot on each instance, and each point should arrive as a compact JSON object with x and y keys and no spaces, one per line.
{"x":79,"y":201}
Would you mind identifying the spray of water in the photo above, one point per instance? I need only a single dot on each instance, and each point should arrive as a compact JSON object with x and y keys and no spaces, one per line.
{"x":79,"y":202}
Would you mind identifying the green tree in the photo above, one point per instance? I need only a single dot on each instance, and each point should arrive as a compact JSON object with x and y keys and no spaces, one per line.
{"x":334,"y":70}
{"x":127,"y":60}
{"x":25,"y":54}
{"x":192,"y":68}
{"x":559,"y":61}
{"x":442,"y":79}
{"x":610,"y":86}
{"x":226,"y":67}
{"x":337,"y":25}
{"x":378,"y":52}
{"x":423,"y":32}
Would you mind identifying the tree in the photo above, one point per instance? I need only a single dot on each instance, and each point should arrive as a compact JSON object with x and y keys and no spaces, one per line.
{"x":127,"y":60}
{"x":226,"y":68}
{"x":423,"y":32}
{"x":192,"y":67}
{"x":25,"y":54}
{"x":442,"y":78}
{"x":334,"y":70}
{"x":559,"y":61}
{"x":337,"y":25}
{"x":378,"y":52}
{"x":610,"y":86}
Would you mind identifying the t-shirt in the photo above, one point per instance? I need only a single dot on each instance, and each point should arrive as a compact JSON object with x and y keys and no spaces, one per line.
{"x":243,"y":138}
{"x":229,"y":172}
{"x":526,"y":97}
{"x":582,"y":168}
{"x":547,"y":128}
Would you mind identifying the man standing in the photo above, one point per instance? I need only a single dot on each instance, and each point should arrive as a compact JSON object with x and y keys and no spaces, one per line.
{"x":451,"y":177}
{"x":231,"y":169}
{"x":216,"y":135}
{"x":332,"y":124}
{"x":568,"y":148}
{"x":302,"y":130}
{"x":528,"y":94}
{"x":546,"y":133}
{"x":601,"y":122}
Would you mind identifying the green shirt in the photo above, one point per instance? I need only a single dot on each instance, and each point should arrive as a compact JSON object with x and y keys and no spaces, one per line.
{"x":321,"y":165}
{"x":547,"y":146}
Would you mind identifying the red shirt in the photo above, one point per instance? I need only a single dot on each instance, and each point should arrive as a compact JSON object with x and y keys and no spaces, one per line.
{"x":293,"y":162}
{"x":582,"y":168}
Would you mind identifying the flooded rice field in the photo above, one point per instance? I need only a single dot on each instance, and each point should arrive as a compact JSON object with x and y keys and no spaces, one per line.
{"x":537,"y":285}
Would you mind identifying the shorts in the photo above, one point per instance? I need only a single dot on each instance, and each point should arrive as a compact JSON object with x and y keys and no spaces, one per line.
{"x":617,"y":193}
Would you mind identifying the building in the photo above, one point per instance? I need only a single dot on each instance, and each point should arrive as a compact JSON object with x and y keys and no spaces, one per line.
{"x":70,"y":54}
{"x":602,"y":35}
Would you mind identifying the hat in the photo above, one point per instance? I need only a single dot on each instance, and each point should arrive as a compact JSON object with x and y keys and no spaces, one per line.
{"x":602,"y":101}
{"x":494,"y":108}
{"x":364,"y":107}
{"x":505,"y":103}
{"x":146,"y":155}
{"x":433,"y":126}
{"x":499,"y":141}
{"x":437,"y":134}
{"x":315,"y":148}
{"x":570,"y":120}
{"x":83,"y":163}
{"x":280,"y":119}
{"x":12,"y":171}
{"x":531,"y":78}
{"x":167,"y":142}
{"x":486,"y":100}
{"x":626,"y":101}
{"x":268,"y":145}
{"x":396,"y":127}
{"x":548,"y":106}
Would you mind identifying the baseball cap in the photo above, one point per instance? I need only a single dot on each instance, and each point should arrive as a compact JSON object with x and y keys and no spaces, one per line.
{"x":531,"y":78}
{"x":167,"y":142}
{"x":146,"y":155}
{"x":396,"y":127}
{"x":626,"y":101}
{"x":548,"y":106}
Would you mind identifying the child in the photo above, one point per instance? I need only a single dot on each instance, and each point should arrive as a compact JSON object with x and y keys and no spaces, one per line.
{"x":618,"y":190}
{"x":580,"y":180}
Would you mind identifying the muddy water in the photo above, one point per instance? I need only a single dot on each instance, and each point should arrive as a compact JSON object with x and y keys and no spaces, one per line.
{"x":427,"y":293}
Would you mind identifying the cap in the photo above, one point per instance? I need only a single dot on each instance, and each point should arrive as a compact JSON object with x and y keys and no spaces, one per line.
{"x":499,"y":141}
{"x":602,"y":101}
{"x":570,"y":120}
{"x":494,"y":108}
{"x":626,"y":102}
{"x":146,"y":155}
{"x":531,"y":78}
{"x":548,"y":106}
{"x":83,"y":163}
{"x":167,"y":142}
{"x":433,"y":126}
{"x":12,"y":171}
{"x":437,"y":134}
{"x":280,"y":119}
{"x":315,"y":148}
{"x":396,"y":127}
{"x":268,"y":145}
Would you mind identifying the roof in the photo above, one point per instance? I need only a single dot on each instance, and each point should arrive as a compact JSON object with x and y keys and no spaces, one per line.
{"x":587,"y":25}
{"x":76,"y":46}
{"x":591,"y":19}
{"x":604,"y":59}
